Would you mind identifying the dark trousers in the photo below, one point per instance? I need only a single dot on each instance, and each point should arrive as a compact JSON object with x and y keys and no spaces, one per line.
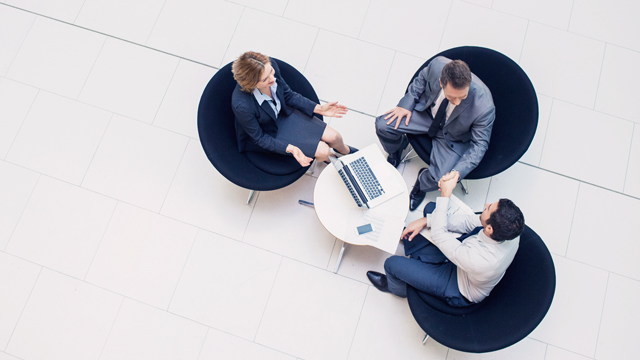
{"x":428,"y":270}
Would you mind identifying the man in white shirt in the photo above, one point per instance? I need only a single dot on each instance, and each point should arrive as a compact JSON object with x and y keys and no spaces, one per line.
{"x":460,"y":272}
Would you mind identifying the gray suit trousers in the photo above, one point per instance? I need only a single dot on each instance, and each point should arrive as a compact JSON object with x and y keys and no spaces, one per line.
{"x":443,"y":158}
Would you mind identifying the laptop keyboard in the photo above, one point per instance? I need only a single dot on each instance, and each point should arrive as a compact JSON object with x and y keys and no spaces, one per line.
{"x":367,"y":178}
{"x":351,"y":190}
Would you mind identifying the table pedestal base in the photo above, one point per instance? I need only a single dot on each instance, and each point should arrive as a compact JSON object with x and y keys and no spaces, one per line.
{"x":344,"y":245}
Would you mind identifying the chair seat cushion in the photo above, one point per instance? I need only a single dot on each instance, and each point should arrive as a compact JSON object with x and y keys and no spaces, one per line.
{"x":271,"y":163}
{"x":442,"y":305}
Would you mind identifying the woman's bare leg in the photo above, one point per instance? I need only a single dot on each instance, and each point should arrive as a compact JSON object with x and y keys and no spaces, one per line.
{"x":334,"y":140}
{"x":323,"y":151}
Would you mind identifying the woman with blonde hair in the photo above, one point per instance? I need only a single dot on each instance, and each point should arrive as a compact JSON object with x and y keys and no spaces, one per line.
{"x":271,"y":117}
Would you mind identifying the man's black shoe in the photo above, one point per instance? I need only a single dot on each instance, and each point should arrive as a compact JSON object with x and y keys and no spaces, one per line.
{"x":395,"y":158}
{"x":416,"y":196}
{"x":378,"y":280}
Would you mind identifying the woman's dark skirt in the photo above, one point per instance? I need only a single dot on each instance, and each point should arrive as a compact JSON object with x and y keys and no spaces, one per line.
{"x":299,"y":130}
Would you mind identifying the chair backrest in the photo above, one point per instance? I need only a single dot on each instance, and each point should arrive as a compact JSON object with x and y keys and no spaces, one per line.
{"x":516,"y":106}
{"x":216,"y":129}
{"x":512,"y":311}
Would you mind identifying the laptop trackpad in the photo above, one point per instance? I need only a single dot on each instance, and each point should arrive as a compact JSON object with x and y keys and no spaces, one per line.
{"x":387,"y":178}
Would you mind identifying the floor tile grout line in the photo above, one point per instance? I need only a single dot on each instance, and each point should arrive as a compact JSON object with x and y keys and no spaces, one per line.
{"x":626,"y":173}
{"x":256,"y":9}
{"x":486,"y":198}
{"x":256,"y":196}
{"x":22,"y":212}
{"x":91,"y":69}
{"x":23,"y":40}
{"x":355,"y":331}
{"x":235,"y":29}
{"x":573,"y":3}
{"x":186,"y":261}
{"x":283,"y":257}
{"x":113,"y":323}
{"x":175,"y":173}
{"x":444,"y":28}
{"x":113,"y":37}
{"x":315,"y":41}
{"x":598,"y":267}
{"x":95,"y":252}
{"x":204,"y":341}
{"x":107,"y":196}
{"x":524,"y":41}
{"x":570,"y":32}
{"x":604,"y":303}
{"x":35,"y":283}
{"x":79,"y":11}
{"x":285,"y":9}
{"x":217,"y":68}
{"x":14,"y":356}
{"x":298,"y":261}
{"x":126,"y":297}
{"x":106,"y":128}
{"x":546,"y":130}
{"x":333,"y":248}
{"x":367,"y":42}
{"x":101,"y":108}
{"x":573,"y":216}
{"x":604,"y":56}
{"x":270,"y":251}
{"x":563,"y":348}
{"x":386,"y":81}
{"x":164,"y":95}
{"x":266,"y":304}
{"x":582,"y":181}
{"x":26,"y":116}
{"x":364,"y":19}
{"x":590,"y":109}
{"x":155,"y":22}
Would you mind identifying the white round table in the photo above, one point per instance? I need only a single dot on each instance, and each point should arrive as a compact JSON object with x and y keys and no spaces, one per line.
{"x":333,"y":204}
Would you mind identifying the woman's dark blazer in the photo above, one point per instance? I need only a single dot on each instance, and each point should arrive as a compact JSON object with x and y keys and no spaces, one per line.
{"x":255,"y":125}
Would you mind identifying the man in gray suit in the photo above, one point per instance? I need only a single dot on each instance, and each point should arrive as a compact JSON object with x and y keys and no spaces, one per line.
{"x":451,"y":106}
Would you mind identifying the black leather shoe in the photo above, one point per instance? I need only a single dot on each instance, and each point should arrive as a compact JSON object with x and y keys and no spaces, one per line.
{"x":395,"y":158}
{"x":351,"y":150}
{"x":378,"y":280}
{"x":416,"y":196}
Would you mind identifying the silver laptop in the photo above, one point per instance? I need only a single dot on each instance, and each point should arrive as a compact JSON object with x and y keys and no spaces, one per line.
{"x":368,"y":177}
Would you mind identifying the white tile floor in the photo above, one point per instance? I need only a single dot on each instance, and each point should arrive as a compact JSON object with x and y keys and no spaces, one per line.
{"x":119,"y":240}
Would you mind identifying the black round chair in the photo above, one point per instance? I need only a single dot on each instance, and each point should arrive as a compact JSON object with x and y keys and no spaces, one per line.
{"x":516,"y":109}
{"x":512,"y":311}
{"x":259,"y":171}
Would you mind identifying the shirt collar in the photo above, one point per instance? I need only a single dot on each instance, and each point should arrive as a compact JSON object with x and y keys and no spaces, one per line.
{"x":260,"y":97}
{"x":485,"y":239}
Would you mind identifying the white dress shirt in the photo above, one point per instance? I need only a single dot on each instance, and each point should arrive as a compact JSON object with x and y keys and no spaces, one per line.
{"x":260,"y":97}
{"x":481,"y":261}
{"x":436,"y":106}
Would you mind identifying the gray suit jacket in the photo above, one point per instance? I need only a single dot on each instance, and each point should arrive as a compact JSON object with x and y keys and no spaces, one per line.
{"x":468,"y":129}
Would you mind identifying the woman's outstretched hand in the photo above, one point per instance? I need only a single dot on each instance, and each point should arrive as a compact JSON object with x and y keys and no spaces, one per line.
{"x":299,"y":155}
{"x":332,"y":109}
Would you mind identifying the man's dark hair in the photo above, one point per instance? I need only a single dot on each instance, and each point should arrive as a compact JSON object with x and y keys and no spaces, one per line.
{"x":457,"y":74}
{"x":507,"y":221}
